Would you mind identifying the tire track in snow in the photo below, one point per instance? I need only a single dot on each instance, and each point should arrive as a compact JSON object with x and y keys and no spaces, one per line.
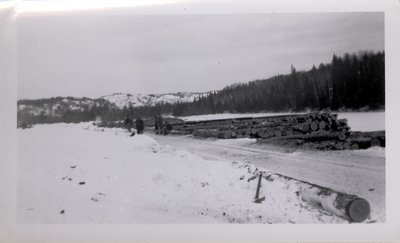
{"x":347,"y":171}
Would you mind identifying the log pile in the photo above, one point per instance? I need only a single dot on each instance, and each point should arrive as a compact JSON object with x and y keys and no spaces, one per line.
{"x":322,"y":131}
{"x":333,"y":140}
{"x":313,"y":124}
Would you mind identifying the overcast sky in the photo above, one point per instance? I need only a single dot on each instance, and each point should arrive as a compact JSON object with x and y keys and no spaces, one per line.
{"x":86,"y":54}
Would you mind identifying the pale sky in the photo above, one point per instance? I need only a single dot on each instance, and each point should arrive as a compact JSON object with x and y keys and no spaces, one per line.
{"x":89,"y":53}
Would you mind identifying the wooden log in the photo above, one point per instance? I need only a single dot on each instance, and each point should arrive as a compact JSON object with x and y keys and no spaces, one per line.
{"x":305,"y":127}
{"x":362,"y":139}
{"x":344,"y":205}
{"x":368,"y":134}
{"x":244,"y":132}
{"x":277,"y":133}
{"x":264,"y":133}
{"x":322,"y":125}
{"x":326,"y":145}
{"x":339,"y":146}
{"x":382,"y":141}
{"x":289,"y":129}
{"x":224,"y":134}
{"x":260,"y":133}
{"x":233,"y":134}
{"x":375,"y":142}
{"x":346,"y":145}
{"x":355,"y":146}
{"x":342,"y":136}
{"x":206,"y":133}
{"x":314,"y":126}
{"x":316,"y":135}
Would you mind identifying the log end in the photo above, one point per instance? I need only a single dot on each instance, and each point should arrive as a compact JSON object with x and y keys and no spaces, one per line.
{"x":375,"y":142}
{"x":359,"y":210}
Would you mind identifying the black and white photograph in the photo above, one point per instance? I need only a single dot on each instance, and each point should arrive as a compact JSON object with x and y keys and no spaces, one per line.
{"x":254,"y":118}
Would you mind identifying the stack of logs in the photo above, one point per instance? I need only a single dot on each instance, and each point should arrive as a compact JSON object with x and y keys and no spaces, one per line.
{"x":323,"y":130}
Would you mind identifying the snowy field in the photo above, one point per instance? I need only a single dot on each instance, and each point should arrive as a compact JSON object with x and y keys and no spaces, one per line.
{"x":358,"y":121}
{"x":81,"y":174}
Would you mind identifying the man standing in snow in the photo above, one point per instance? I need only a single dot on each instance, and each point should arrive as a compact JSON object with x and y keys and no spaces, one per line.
{"x":139,"y":125}
{"x":156,"y":123}
{"x":128,"y":123}
{"x":168,"y":128}
{"x":160,"y":123}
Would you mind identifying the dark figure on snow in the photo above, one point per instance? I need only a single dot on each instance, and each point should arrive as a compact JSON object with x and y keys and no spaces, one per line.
{"x":139,"y":125}
{"x":160,"y":124}
{"x":155,"y":123}
{"x":128,"y":124}
{"x":167,"y":128}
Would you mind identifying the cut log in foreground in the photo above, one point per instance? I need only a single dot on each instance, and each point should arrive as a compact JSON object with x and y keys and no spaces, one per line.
{"x":344,"y":205}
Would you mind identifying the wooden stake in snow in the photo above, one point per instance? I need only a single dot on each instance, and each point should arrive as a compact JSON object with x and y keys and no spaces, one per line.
{"x":257,"y":199}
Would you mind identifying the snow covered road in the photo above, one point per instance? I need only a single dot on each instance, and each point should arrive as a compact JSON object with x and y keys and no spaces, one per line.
{"x":77,"y":173}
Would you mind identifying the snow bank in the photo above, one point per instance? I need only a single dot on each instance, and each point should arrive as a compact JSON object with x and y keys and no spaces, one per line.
{"x":77,"y":173}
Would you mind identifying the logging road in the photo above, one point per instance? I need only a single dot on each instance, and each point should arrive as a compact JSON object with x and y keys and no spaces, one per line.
{"x":359,"y":172}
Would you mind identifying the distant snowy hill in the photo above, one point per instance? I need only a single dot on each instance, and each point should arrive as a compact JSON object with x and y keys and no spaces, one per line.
{"x":58,"y":106}
{"x":63,"y":106}
{"x":136,"y":100}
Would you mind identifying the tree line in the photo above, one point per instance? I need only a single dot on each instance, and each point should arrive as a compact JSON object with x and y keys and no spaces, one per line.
{"x":351,"y":81}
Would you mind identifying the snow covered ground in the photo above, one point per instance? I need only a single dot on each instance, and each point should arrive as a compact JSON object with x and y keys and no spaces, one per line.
{"x":358,"y":172}
{"x":358,"y":121}
{"x":364,"y":121}
{"x":82,"y":174}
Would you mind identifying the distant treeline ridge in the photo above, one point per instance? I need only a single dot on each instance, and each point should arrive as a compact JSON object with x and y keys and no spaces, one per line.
{"x":352,"y":81}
